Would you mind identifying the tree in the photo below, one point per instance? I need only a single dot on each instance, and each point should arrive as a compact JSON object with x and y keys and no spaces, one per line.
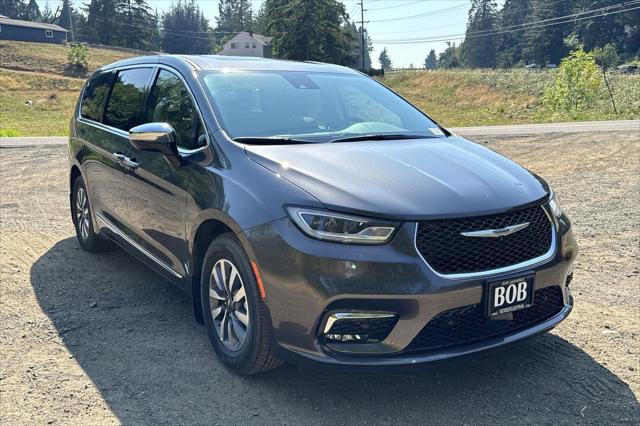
{"x":356,"y":34}
{"x":449,"y":57}
{"x":385,"y":60}
{"x":103,"y":23}
{"x":431,"y":62}
{"x":577,"y":84}
{"x":545,"y":44}
{"x":139,"y":26}
{"x":479,"y":47}
{"x":607,"y":29}
{"x":513,"y":16}
{"x":48,"y":16}
{"x":309,"y":30}
{"x":185,"y":29}
{"x":14,"y":9}
{"x":32,"y":11}
{"x":65,"y":17}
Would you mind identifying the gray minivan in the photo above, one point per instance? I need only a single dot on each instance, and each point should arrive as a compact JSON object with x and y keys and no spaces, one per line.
{"x":314,"y":215}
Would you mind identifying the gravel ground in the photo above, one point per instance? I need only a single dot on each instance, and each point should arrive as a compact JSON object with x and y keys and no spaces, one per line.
{"x":99,"y":339}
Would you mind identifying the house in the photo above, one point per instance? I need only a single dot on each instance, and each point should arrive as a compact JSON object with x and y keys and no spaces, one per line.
{"x":247,"y":44}
{"x":14,"y":29}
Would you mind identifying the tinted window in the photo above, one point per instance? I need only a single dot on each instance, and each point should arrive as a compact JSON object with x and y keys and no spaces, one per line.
{"x":124,"y":109}
{"x":171,"y":103}
{"x":94,"y":95}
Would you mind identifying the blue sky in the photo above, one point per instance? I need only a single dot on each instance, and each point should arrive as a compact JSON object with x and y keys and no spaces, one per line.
{"x":390,"y":20}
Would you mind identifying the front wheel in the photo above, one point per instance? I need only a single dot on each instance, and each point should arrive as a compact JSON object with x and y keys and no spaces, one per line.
{"x":83,"y":219}
{"x":235,"y":316}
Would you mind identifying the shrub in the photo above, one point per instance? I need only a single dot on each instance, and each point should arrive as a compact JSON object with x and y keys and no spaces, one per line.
{"x":577,"y":84}
{"x":78,"y":56}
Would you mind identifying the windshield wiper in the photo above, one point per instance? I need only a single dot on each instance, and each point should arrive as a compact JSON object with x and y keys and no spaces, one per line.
{"x":270,"y":140}
{"x":381,"y":137}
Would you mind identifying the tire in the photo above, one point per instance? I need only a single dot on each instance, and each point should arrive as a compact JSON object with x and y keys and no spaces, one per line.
{"x":82,"y":217}
{"x":233,"y":306}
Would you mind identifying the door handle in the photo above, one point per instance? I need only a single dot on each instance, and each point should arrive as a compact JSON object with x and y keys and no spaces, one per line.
{"x":130,"y":163}
{"x":126,"y":161}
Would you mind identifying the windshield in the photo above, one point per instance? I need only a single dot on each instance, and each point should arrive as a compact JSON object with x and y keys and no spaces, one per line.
{"x":295,"y":106}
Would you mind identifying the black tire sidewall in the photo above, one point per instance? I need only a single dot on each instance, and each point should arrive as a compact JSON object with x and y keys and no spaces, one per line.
{"x":227,"y":247}
{"x":90,"y":242}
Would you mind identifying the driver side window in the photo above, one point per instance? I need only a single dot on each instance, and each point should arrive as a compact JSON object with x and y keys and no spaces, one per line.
{"x":171,"y":103}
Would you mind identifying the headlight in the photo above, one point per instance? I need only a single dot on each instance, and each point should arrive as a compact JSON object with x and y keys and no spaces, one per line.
{"x":341,"y":228}
{"x":554,"y":206}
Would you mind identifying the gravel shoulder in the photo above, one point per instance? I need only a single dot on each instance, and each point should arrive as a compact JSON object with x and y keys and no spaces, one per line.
{"x":100,"y":339}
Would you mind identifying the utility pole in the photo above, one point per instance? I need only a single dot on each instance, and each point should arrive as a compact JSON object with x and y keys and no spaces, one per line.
{"x":362,"y":32}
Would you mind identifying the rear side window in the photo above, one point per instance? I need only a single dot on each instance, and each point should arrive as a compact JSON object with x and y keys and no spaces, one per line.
{"x":94,"y":95}
{"x":124,"y":109}
{"x":171,"y":103}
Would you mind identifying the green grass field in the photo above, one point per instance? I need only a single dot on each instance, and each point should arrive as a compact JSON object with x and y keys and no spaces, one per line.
{"x":37,"y":97}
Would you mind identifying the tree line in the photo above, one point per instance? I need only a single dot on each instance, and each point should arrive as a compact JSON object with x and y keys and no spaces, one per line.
{"x":315,"y":30}
{"x":526,"y":32}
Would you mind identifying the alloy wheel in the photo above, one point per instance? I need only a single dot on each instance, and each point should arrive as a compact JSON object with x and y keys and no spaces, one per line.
{"x":229,"y":306}
{"x":82,"y":213}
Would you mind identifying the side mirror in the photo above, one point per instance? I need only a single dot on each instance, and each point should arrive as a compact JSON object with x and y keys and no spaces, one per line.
{"x":159,"y":137}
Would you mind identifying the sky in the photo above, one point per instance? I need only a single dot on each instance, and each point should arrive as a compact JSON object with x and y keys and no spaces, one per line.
{"x":390,"y":23}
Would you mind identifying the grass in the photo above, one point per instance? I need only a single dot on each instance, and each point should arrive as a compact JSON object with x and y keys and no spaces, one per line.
{"x":37,"y":94}
{"x":491,"y":97}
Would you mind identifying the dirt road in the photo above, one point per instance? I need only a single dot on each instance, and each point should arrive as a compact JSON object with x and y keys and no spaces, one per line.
{"x":99,"y":339}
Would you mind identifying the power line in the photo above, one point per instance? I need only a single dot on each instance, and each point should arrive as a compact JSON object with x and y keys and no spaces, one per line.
{"x":463,"y":36}
{"x":422,"y":15}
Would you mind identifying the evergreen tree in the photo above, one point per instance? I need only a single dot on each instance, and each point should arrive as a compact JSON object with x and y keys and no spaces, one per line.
{"x":138,"y":25}
{"x":609,"y":29}
{"x":545,"y":44}
{"x":14,"y":9}
{"x":479,"y":47}
{"x":385,"y":60}
{"x":310,"y":30}
{"x":356,"y":34}
{"x":513,"y":15}
{"x":32,"y":11}
{"x":186,"y":30}
{"x":103,"y":21}
{"x":431,"y":62}
{"x":449,"y":57}
{"x":65,"y":17}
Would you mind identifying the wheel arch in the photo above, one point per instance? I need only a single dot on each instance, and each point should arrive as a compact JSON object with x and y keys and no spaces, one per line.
{"x":212,"y":225}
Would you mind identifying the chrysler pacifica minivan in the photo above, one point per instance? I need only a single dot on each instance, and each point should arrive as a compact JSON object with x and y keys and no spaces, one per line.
{"x":314,"y":215}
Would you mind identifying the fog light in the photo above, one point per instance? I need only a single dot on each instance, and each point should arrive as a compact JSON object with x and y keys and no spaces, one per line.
{"x":345,"y":337}
{"x":358,"y":327}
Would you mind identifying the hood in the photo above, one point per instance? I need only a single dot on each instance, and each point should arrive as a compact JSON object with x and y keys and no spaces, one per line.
{"x":404,"y":179}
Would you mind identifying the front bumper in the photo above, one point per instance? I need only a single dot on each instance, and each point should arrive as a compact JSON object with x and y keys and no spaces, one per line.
{"x":305,"y":279}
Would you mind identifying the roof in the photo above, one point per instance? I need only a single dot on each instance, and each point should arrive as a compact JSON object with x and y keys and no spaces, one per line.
{"x":245,"y":63}
{"x":257,"y":37}
{"x":29,"y":24}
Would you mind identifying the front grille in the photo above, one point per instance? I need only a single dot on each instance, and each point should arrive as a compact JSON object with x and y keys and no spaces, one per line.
{"x":465,"y":325}
{"x":448,"y":252}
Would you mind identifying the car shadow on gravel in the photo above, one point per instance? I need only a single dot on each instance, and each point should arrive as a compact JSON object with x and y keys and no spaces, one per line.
{"x":135,"y":337}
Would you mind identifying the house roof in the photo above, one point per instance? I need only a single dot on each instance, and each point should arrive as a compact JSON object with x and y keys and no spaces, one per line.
{"x":257,"y":37}
{"x":29,"y":24}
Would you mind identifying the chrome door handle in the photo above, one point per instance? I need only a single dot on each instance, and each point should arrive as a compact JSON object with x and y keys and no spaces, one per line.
{"x":130,"y":163}
{"x":126,"y":161}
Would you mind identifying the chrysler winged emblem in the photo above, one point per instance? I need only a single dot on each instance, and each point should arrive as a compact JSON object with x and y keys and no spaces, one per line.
{"x":495,"y":233}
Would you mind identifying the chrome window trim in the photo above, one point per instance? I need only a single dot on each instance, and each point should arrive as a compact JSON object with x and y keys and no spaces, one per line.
{"x":481,"y":274}
{"x":119,"y":132}
{"x":142,"y":250}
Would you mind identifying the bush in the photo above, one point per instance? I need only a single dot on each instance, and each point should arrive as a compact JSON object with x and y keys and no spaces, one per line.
{"x":577,"y":84}
{"x":78,"y":56}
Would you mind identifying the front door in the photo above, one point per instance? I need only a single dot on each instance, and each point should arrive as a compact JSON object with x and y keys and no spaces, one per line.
{"x":156,"y":190}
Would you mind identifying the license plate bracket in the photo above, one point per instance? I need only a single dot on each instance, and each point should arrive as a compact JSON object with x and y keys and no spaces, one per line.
{"x":509,"y":295}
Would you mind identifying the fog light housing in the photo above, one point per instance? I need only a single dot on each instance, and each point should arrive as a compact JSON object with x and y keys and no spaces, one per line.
{"x":358,"y":327}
